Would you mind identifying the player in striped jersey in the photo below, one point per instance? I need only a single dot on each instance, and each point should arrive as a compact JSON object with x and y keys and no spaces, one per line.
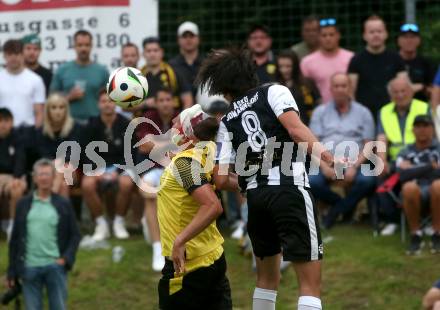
{"x":261,"y":133}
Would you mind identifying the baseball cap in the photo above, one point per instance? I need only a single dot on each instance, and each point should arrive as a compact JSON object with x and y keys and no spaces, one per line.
{"x":31,"y":39}
{"x":188,"y":27}
{"x":409,"y":28}
{"x":423,"y":119}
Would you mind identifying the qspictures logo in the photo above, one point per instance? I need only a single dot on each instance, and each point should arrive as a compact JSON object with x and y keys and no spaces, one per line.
{"x":26,"y":5}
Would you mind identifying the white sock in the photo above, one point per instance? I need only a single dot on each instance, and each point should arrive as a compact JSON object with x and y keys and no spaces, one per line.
{"x":100,"y":220}
{"x":119,"y":219}
{"x":309,"y":303}
{"x":264,"y":299}
{"x":157,"y":248}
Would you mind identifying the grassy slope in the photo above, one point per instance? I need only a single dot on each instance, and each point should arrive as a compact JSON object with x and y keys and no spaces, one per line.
{"x":360,"y":272}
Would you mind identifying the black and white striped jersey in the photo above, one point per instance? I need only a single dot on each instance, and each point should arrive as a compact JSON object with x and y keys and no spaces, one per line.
{"x":251,"y":129}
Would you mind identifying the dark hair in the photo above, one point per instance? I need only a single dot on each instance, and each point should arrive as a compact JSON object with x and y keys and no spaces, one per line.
{"x":5,"y":114}
{"x":255,"y":27}
{"x":206,"y":130}
{"x":150,"y":40}
{"x":167,"y":90}
{"x":13,"y":47}
{"x":82,"y":33}
{"x":218,"y":107}
{"x":102,"y":91}
{"x":228,"y":72}
{"x":129,"y":44}
{"x":296,"y":76}
{"x":309,"y":19}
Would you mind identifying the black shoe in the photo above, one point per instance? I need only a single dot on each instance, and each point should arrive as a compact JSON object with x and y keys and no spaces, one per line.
{"x":435,"y":243}
{"x":415,"y":245}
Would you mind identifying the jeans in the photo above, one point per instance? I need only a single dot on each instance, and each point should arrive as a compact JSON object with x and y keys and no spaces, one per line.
{"x":361,"y":187}
{"x":54,"y":278}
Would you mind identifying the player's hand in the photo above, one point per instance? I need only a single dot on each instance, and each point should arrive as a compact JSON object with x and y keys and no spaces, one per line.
{"x":178,"y":256}
{"x":350,"y":174}
{"x":75,"y":93}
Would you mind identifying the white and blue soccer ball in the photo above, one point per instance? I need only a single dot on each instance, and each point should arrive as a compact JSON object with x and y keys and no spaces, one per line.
{"x":127,"y":87}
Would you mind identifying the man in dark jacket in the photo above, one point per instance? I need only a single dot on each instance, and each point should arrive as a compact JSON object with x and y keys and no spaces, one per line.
{"x":44,"y":242}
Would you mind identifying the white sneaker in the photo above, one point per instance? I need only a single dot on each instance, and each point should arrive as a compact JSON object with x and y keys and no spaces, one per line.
{"x":389,"y":229}
{"x":119,"y":230}
{"x":238,"y":232}
{"x":102,"y":232}
{"x":158,"y":260}
{"x":145,"y":230}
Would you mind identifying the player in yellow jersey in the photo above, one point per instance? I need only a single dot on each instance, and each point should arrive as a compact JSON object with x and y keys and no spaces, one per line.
{"x":194,"y":276}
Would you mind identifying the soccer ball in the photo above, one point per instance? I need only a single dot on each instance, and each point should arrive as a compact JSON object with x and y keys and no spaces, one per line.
{"x":127,"y":87}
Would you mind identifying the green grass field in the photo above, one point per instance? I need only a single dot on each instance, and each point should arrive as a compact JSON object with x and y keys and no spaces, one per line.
{"x":359,"y":272}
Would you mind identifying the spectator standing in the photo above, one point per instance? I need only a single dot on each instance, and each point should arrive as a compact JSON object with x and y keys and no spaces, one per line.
{"x":58,"y":126}
{"x":81,"y":79}
{"x":188,"y":62}
{"x":418,"y":165}
{"x":310,"y":37}
{"x":342,"y":120}
{"x":109,"y":127}
{"x":304,"y":90}
{"x":420,"y":69}
{"x":31,"y":53}
{"x":162,"y":117}
{"x":21,"y":90}
{"x":130,"y":55}
{"x":371,"y":69}
{"x":44,"y":242}
{"x":161,"y":75}
{"x":321,"y":65}
{"x":435,"y":102}
{"x":12,"y":165}
{"x":259,"y":43}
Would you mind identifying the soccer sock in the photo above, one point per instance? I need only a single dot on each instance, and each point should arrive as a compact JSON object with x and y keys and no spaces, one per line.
{"x":157,"y":248}
{"x":264,"y":299}
{"x":119,"y":219}
{"x":309,"y":303}
{"x":100,"y":220}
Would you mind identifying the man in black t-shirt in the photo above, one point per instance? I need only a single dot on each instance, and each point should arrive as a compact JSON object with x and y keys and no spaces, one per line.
{"x":31,"y":53}
{"x":259,"y":43}
{"x":420,"y":69}
{"x":108,"y":127}
{"x":371,"y":69}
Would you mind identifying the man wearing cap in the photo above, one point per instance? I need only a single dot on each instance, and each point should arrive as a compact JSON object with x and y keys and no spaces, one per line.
{"x":31,"y":53}
{"x":418,"y":165}
{"x":194,"y":276}
{"x":420,"y":69}
{"x":188,"y":62}
{"x":321,"y":65}
{"x":160,"y":75}
{"x":259,"y":43}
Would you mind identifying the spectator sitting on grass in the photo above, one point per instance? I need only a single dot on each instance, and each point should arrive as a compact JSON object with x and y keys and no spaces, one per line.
{"x":58,"y":126}
{"x":418,"y":165}
{"x":44,"y":242}
{"x":12,"y":165}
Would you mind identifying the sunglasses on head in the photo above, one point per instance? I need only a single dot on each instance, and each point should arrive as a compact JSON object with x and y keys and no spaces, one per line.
{"x":327,"y":22}
{"x":409,"y":27}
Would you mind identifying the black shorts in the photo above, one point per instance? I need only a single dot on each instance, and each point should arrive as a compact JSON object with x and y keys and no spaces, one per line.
{"x":204,"y":288}
{"x":284,"y":218}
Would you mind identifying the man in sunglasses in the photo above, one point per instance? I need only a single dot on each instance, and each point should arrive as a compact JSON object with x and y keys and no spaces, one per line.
{"x":420,"y":69}
{"x":321,"y":65}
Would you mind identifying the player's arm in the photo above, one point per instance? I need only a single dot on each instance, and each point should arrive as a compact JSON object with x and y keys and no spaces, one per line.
{"x":224,"y":179}
{"x":210,"y":207}
{"x":284,"y":106}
